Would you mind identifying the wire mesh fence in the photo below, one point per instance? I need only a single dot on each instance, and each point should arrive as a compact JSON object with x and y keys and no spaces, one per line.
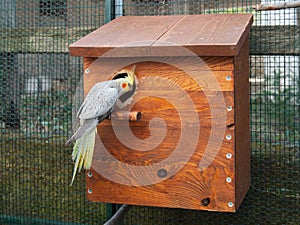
{"x":40,"y":83}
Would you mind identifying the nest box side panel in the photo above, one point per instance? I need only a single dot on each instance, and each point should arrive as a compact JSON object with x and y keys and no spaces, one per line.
{"x":242,"y":123}
{"x":145,"y":172}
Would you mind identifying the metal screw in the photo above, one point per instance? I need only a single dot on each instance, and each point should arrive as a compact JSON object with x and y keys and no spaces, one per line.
{"x":90,"y":174}
{"x":228,"y":136}
{"x":228,"y":179}
{"x":229,"y":108}
{"x":205,"y":201}
{"x":228,"y":77}
{"x":162,"y":173}
{"x":228,"y":155}
{"x":90,"y":190}
{"x":87,"y":70}
{"x":230,"y":204}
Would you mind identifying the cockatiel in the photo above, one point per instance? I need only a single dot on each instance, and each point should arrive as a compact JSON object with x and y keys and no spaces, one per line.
{"x":98,"y":104}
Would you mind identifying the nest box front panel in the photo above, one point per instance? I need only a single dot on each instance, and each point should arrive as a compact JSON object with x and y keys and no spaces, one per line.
{"x":181,"y":152}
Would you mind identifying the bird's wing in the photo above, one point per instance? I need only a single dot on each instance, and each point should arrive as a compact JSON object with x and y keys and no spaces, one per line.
{"x":98,"y":102}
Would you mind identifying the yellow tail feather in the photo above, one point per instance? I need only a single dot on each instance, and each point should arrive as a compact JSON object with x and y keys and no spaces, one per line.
{"x":83,"y":152}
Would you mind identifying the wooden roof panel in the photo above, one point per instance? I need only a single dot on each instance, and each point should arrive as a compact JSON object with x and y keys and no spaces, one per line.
{"x":213,"y":34}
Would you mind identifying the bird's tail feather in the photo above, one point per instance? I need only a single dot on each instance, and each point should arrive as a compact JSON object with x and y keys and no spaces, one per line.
{"x":83,"y":152}
{"x":86,"y":127}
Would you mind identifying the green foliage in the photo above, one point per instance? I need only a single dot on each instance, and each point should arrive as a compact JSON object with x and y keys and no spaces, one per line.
{"x":276,"y":110}
{"x":46,"y":113}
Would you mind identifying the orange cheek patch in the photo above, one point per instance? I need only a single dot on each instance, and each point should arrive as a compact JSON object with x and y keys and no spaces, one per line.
{"x":124,"y":85}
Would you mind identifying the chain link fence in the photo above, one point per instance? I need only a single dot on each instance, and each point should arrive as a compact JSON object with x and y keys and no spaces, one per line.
{"x":40,"y":83}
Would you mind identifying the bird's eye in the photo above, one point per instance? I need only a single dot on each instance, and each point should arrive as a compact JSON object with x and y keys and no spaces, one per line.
{"x":129,"y":84}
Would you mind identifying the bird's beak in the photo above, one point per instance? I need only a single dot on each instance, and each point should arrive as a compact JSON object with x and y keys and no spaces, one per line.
{"x":132,"y":77}
{"x":131,"y":87}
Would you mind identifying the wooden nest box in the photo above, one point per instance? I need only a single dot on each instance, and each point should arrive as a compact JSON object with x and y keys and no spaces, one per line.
{"x":190,"y":148}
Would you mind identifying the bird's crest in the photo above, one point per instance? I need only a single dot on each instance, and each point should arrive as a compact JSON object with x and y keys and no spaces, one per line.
{"x":131,"y":75}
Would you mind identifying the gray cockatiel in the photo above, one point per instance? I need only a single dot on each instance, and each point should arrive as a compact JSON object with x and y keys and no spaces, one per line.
{"x":98,"y":104}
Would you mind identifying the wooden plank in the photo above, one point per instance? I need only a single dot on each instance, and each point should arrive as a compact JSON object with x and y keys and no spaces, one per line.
{"x":211,"y":35}
{"x":133,"y":31}
{"x":175,"y":192}
{"x":217,"y":63}
{"x":242,"y":124}
{"x":57,"y":40}
{"x":190,"y":180}
{"x":207,"y":80}
{"x":274,"y":40}
{"x":196,"y":186}
{"x":186,"y":189}
{"x":157,"y":35}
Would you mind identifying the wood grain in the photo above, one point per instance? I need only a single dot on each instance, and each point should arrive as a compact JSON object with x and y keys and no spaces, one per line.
{"x":188,"y":187}
{"x":260,"y":37}
{"x":201,"y":63}
{"x":242,"y":122}
{"x":209,"y":77}
{"x":209,"y":34}
{"x":126,"y":115}
{"x":133,"y":31}
{"x":174,"y":122}
{"x":181,"y":154}
{"x":205,"y":35}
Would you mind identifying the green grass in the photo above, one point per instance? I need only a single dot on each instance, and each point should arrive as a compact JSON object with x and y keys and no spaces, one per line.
{"x":35,"y":181}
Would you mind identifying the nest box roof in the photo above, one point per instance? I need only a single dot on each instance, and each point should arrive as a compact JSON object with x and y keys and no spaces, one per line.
{"x":204,"y":35}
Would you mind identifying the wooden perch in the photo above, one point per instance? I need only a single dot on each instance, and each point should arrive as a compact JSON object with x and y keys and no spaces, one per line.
{"x":124,"y":115}
{"x":119,"y":215}
{"x":277,"y":6}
